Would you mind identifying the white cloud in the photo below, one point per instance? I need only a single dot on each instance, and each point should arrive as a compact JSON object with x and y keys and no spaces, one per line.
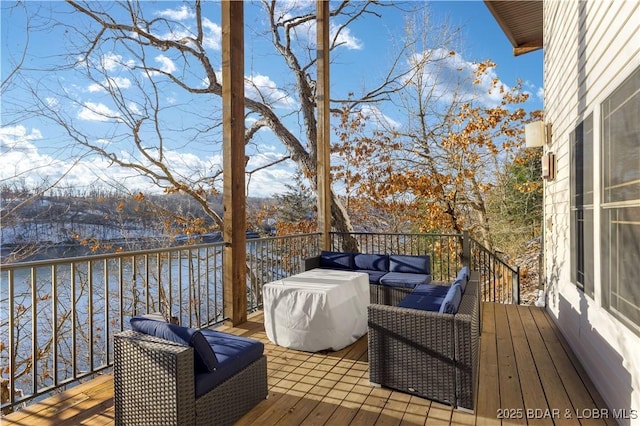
{"x":110,"y":61}
{"x":117,"y":82}
{"x":113,"y":62}
{"x":181,"y":14}
{"x":447,"y":74}
{"x":134,"y":108}
{"x":345,"y":38}
{"x":272,"y":180}
{"x":267,"y":182}
{"x":95,"y":87}
{"x":262,"y":89}
{"x":540,"y":93}
{"x":52,"y":102}
{"x":92,"y":111}
{"x":307,"y":31}
{"x":212,"y":35}
{"x":378,"y":117}
{"x":24,"y":164}
{"x":166,"y":64}
{"x":14,"y":135}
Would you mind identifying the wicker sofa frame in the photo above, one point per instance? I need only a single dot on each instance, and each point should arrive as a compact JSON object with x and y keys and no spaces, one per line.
{"x":388,"y":295}
{"x":428,"y":354}
{"x":154,"y":385}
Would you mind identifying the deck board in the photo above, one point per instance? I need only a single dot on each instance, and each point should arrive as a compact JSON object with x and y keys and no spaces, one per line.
{"x":488,"y":400}
{"x":508,"y":376}
{"x":525,"y":364}
{"x":532,"y":392}
{"x":551,"y":382}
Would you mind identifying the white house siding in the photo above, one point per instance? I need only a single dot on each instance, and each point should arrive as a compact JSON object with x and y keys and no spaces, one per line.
{"x":589,"y":49}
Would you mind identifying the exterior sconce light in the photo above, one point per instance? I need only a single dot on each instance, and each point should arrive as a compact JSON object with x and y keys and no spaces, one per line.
{"x":537,"y":134}
{"x":549,"y":166}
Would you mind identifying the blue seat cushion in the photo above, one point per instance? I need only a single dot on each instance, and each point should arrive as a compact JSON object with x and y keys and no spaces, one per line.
{"x":401,"y":279}
{"x":336,"y":260}
{"x":371,"y":262}
{"x":410,"y":264}
{"x":234,"y":354}
{"x":431,"y":290}
{"x":374,"y":276}
{"x":452,"y":300}
{"x":204,"y":359}
{"x":425,"y":297}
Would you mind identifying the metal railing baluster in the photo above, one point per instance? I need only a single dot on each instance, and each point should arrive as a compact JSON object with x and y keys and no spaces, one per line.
{"x":187,"y":289}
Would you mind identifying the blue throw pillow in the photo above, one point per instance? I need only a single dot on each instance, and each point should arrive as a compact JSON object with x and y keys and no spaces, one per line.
{"x":462,"y":282}
{"x":464,"y":273}
{"x":409,"y":264}
{"x":452,"y":300}
{"x":204,"y":358}
{"x":336,"y":260}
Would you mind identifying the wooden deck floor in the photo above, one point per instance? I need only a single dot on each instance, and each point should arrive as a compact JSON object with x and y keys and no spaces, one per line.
{"x":527,"y":375}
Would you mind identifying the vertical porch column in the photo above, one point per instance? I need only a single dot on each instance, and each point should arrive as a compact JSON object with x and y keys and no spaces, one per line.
{"x":234,"y":232}
{"x":323,"y":144}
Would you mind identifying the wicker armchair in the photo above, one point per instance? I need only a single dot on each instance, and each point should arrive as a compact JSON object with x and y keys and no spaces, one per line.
{"x":428,"y":354}
{"x":154,"y":385}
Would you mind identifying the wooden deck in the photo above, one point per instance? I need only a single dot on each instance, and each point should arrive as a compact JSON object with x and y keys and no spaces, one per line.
{"x":527,"y":375}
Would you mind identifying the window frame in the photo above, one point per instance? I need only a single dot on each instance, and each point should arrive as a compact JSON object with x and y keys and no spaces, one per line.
{"x":620,"y":202}
{"x":581,"y":206}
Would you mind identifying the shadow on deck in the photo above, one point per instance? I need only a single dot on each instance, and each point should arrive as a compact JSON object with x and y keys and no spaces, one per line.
{"x":528,"y":374}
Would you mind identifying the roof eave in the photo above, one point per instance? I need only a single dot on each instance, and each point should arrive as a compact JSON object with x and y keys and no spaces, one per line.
{"x":521,"y":21}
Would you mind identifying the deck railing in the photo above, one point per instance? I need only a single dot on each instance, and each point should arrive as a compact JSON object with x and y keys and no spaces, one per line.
{"x":58,"y":317}
{"x":499,"y":282}
{"x":445,"y":250}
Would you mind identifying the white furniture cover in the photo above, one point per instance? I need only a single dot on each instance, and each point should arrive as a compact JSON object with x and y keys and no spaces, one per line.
{"x":320,"y":309}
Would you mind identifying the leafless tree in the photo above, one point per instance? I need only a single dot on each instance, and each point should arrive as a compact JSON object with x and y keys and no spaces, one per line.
{"x":122,"y":49}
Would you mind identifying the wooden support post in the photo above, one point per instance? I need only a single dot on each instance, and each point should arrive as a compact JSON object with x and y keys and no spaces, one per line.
{"x":234,"y":198}
{"x":466,"y":248}
{"x":323,"y":144}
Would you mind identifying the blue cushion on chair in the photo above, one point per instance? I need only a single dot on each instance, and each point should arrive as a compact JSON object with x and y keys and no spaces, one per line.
{"x":234,"y":354}
{"x":204,"y":358}
{"x":462,"y":283}
{"x":336,"y":260}
{"x":452,"y":300}
{"x":401,"y":279}
{"x":431,"y":290}
{"x":371,"y":262}
{"x":463,"y":278}
{"x":464,"y":273}
{"x":426,"y":297}
{"x":409,"y":264}
{"x":374,"y":276}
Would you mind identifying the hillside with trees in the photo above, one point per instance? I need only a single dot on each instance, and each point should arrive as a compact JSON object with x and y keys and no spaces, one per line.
{"x":454,"y":163}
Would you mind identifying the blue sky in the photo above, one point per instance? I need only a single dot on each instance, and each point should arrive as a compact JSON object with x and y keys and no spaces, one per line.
{"x":35,"y":150}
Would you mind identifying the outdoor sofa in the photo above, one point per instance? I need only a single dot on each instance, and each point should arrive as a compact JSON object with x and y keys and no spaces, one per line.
{"x":166,"y":374}
{"x":391,"y":276}
{"x":426,"y":346}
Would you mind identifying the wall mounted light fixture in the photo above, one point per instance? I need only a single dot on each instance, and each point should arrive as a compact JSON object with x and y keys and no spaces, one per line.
{"x":537,"y":134}
{"x":549,"y":166}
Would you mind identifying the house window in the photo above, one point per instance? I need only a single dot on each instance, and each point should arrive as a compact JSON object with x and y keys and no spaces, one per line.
{"x":620,"y":209}
{"x":582,"y":206}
